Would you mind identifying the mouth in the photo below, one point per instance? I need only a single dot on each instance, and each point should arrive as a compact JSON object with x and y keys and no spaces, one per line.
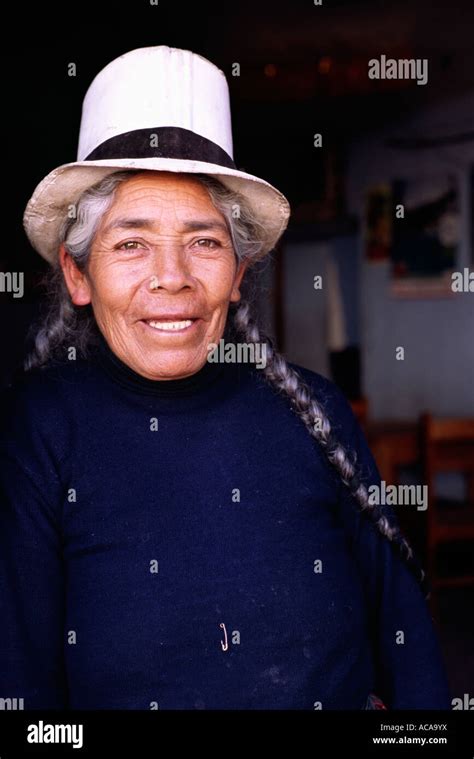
{"x":175,"y":324}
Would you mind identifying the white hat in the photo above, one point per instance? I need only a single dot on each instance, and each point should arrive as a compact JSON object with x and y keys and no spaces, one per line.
{"x":156,"y":108}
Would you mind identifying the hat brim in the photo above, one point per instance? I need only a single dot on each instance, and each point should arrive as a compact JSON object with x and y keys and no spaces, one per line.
{"x":62,"y":188}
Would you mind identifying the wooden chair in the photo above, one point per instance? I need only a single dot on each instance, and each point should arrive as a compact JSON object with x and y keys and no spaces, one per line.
{"x":447,"y":445}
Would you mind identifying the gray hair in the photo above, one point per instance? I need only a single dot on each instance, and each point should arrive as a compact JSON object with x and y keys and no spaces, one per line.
{"x":66,"y":325}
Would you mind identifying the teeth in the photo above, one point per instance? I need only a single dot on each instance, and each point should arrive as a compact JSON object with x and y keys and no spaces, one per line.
{"x":170,"y":326}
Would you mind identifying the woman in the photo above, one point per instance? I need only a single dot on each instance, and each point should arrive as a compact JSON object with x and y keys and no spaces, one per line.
{"x":179,"y":532}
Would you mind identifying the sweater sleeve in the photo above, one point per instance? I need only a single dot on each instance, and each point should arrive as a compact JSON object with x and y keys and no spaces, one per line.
{"x":32,"y":583}
{"x":410,"y":671}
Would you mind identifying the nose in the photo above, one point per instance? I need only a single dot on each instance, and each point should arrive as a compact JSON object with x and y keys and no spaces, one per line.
{"x":169,"y":269}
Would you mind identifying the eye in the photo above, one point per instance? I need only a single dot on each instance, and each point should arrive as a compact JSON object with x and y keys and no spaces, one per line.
{"x":207,"y":242}
{"x":129,"y":245}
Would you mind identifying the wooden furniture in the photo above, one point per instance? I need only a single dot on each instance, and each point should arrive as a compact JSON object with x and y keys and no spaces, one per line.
{"x":447,"y":446}
{"x":394,"y":445}
{"x":438,"y":445}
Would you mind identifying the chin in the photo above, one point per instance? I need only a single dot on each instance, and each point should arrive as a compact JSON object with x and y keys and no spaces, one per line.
{"x":172,"y":370}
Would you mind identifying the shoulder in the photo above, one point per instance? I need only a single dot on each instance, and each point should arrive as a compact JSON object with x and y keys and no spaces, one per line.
{"x":333,"y":402}
{"x":330,"y":399}
{"x":345,"y":427}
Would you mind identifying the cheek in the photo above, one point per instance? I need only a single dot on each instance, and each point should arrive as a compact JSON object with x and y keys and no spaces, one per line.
{"x":112,"y":289}
{"x":110,"y":297}
{"x":217,"y":280}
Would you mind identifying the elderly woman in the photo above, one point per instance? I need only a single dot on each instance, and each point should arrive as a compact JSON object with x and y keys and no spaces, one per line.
{"x":178,"y":532}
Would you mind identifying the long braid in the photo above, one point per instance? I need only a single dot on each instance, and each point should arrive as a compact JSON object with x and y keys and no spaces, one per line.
{"x":286,"y":380}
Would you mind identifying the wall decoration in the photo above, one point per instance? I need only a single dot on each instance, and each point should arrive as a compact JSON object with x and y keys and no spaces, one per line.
{"x":426,"y":236}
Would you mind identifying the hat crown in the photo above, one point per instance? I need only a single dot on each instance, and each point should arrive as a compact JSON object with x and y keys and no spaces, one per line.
{"x":155,"y":87}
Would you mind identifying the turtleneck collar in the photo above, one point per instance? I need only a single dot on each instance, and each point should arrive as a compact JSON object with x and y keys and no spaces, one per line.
{"x":122,"y":374}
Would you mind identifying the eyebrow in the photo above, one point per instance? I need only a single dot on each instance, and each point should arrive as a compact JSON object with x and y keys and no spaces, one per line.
{"x":188,"y":226}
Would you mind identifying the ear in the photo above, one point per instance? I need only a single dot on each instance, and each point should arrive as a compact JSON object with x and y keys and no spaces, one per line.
{"x":76,"y":281}
{"x":235,"y":295}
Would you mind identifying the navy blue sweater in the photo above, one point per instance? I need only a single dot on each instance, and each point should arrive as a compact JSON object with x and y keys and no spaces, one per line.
{"x":185,"y":545}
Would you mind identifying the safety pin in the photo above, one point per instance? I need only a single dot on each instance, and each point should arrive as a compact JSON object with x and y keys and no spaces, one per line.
{"x":225,"y":645}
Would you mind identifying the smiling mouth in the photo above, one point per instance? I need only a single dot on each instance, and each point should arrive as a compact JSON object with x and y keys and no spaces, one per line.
{"x":170,"y":325}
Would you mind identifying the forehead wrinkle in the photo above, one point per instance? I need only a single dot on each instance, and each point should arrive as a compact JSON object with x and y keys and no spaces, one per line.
{"x":187,"y":225}
{"x":142,"y":204}
{"x":163,"y":192}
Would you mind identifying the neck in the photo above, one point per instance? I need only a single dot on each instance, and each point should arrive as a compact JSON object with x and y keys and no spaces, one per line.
{"x":127,"y":377}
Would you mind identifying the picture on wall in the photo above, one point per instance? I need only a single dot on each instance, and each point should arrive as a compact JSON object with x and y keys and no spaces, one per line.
{"x":426,"y":236}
